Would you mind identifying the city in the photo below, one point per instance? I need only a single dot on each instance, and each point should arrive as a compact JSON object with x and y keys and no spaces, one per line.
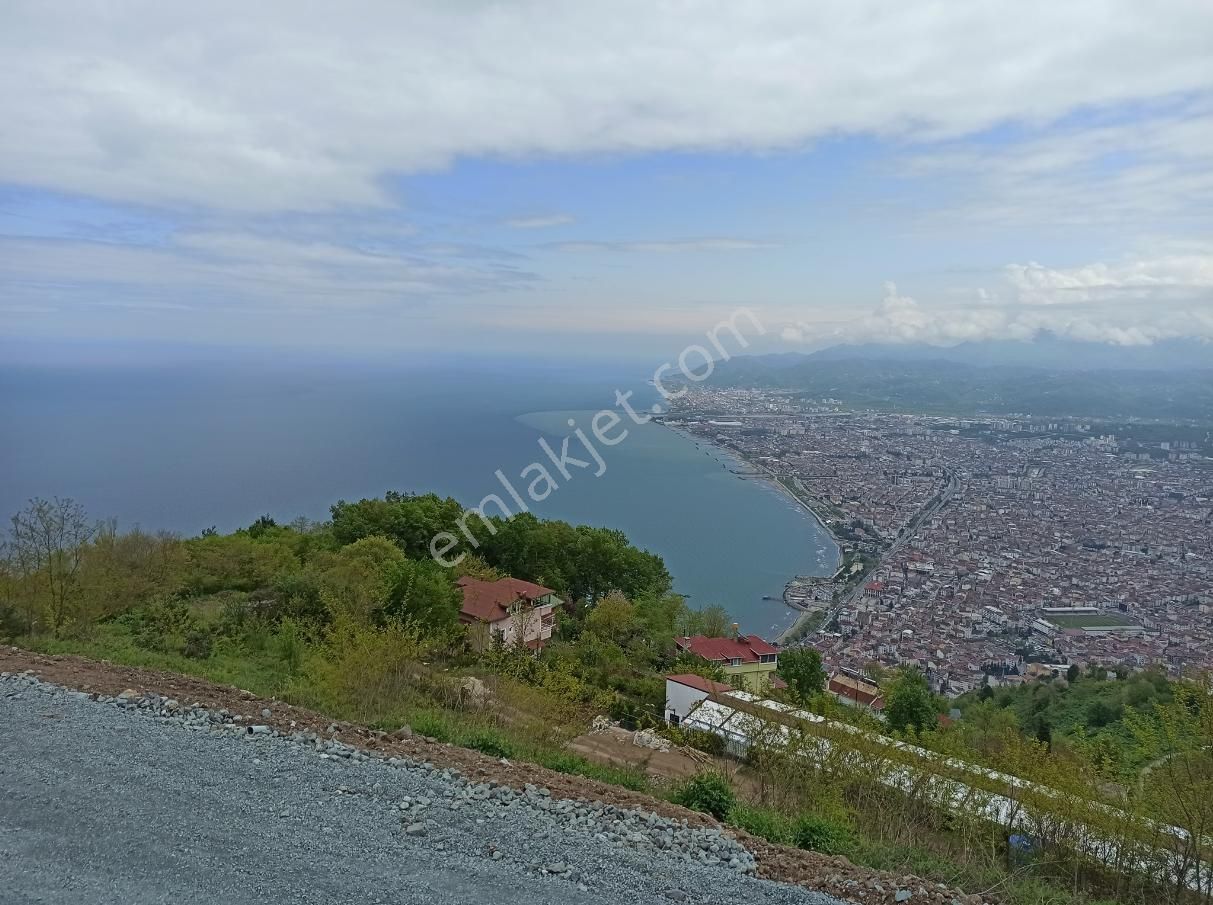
{"x":986,"y":550}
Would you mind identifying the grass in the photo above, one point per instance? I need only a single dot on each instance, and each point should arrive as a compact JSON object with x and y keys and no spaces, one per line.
{"x":527,"y":725}
{"x":536,"y":730}
{"x":1085,"y":620}
{"x":262,"y":673}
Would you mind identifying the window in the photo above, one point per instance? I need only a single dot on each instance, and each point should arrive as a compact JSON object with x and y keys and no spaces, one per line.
{"x":736,"y":661}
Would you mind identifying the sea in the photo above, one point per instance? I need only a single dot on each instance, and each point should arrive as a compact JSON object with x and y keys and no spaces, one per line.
{"x":200,"y":444}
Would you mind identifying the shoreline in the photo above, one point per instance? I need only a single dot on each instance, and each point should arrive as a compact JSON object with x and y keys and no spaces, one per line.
{"x":764,"y":474}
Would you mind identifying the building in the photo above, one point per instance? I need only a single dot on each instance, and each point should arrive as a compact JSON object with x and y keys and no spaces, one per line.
{"x":684,"y":691}
{"x":856,"y":693}
{"x":507,"y":610}
{"x":748,"y":661}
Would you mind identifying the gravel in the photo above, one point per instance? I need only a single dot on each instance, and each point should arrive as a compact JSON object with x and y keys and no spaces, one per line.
{"x":139,"y":799}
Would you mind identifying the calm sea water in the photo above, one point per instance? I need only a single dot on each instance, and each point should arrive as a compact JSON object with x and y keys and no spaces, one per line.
{"x":186,"y":448}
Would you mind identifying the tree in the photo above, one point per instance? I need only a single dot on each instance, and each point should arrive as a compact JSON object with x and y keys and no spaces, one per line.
{"x":712,"y":622}
{"x":261,"y":526}
{"x":613,"y":618}
{"x":803,"y":672}
{"x":1073,"y":673}
{"x":423,"y":594}
{"x":909,"y":703}
{"x":48,"y":539}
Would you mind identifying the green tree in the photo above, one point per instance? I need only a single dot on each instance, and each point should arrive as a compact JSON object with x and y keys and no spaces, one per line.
{"x":613,"y":618}
{"x":423,"y":594}
{"x":803,"y":672}
{"x":909,"y":703}
{"x":358,"y":578}
{"x":713,"y":622}
{"x":48,"y":540}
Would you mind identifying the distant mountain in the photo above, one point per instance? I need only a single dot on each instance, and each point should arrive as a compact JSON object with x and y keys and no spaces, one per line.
{"x":940,"y":386}
{"x":1046,"y":351}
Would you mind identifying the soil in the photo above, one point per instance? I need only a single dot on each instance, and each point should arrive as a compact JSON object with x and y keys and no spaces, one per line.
{"x":834,"y":875}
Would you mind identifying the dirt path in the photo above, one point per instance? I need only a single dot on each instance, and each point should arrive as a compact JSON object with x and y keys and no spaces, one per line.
{"x":832,"y":875}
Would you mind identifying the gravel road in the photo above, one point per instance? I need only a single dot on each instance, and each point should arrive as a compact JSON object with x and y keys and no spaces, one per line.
{"x":142,"y":801}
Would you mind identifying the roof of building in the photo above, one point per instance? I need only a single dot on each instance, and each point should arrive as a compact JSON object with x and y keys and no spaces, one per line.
{"x":489,"y":601}
{"x":699,"y":682}
{"x":860,"y":692}
{"x":746,"y":648}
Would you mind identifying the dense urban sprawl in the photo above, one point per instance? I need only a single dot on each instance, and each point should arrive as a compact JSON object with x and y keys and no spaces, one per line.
{"x":988,"y":550}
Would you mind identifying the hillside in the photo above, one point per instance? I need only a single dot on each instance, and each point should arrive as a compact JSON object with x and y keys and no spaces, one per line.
{"x":350,"y":619}
{"x":959,"y":388}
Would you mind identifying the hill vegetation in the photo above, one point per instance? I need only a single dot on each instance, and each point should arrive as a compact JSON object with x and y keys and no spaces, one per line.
{"x":352,"y":618}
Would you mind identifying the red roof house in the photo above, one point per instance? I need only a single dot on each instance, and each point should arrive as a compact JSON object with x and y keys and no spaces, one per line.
{"x":747,"y":660}
{"x":509,"y":609}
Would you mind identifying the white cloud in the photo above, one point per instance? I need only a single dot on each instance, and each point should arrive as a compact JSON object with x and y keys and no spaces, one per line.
{"x":1140,"y":279}
{"x":539,"y":222}
{"x":1127,"y":303}
{"x":662,"y":246}
{"x":1087,"y":172}
{"x":272,"y":106}
{"x":212,"y":271}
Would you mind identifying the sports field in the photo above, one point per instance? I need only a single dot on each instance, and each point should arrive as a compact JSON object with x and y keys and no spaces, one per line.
{"x":1085,"y":620}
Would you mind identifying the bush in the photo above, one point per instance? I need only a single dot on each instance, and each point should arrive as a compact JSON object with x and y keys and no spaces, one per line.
{"x":700,"y":739}
{"x":198,"y":645}
{"x":169,"y":626}
{"x":818,"y":834}
{"x":762,"y":822}
{"x":707,"y":791}
{"x":489,"y":742}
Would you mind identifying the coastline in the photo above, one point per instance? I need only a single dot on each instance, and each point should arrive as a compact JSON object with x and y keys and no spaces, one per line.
{"x":761,"y":472}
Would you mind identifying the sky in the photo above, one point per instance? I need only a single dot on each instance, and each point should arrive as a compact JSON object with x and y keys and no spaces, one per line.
{"x":549,"y":179}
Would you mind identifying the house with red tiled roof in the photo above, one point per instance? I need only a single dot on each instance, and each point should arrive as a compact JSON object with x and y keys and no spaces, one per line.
{"x":748,"y":662}
{"x":508,"y":610}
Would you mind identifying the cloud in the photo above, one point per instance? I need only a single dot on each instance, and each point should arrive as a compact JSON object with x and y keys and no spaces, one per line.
{"x":261,"y":107}
{"x":1158,"y":279}
{"x":216,"y":271}
{"x":663,"y":246}
{"x":1090,"y":170}
{"x":540,"y":222}
{"x":1132,"y":302}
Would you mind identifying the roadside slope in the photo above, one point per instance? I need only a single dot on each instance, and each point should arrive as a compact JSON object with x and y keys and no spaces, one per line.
{"x":101,"y":789}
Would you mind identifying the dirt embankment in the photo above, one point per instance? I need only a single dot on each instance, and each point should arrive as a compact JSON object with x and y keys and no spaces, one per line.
{"x":832,"y":875}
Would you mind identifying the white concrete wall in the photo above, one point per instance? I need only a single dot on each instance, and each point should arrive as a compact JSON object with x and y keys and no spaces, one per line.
{"x":679,"y":699}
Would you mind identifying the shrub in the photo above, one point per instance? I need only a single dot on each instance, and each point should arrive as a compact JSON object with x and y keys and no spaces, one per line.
{"x":290,"y":645}
{"x":700,"y":739}
{"x":762,"y":822}
{"x":367,"y":672}
{"x":489,"y":742}
{"x":819,"y":834}
{"x":198,"y":645}
{"x":708,"y":791}
{"x":168,"y":626}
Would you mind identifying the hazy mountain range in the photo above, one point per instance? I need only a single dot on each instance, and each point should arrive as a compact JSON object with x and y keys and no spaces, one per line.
{"x":1170,"y":381}
{"x":1046,"y":351}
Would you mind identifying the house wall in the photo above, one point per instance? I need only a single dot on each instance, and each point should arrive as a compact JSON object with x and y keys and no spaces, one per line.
{"x":753,"y":677}
{"x":679,"y":699}
{"x":527,"y":624}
